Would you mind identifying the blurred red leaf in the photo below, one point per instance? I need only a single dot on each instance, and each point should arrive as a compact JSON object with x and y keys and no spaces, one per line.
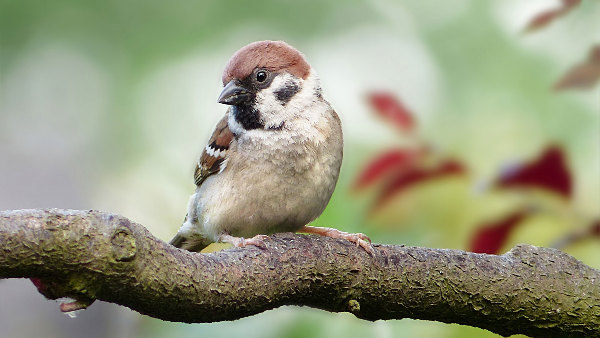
{"x":391,"y":108}
{"x":415,"y":175}
{"x":490,"y":237}
{"x":384,"y":164}
{"x":38,"y":284}
{"x":542,"y":20}
{"x":595,"y":230}
{"x":548,"y":172}
{"x":545,"y":18}
{"x":584,"y":75}
{"x":44,"y":288}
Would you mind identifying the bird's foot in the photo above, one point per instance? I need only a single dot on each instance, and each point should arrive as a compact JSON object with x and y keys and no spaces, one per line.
{"x":239,"y":242}
{"x":359,"y":239}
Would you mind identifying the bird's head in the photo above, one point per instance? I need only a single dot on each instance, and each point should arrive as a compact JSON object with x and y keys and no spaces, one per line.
{"x":268,"y":84}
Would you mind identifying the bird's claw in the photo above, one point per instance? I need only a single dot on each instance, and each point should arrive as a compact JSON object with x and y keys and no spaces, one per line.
{"x":239,"y":242}
{"x":359,"y":239}
{"x":258,"y":241}
{"x":363,"y":241}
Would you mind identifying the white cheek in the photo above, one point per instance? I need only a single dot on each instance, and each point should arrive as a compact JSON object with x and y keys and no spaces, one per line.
{"x":305,"y":102}
{"x":235,"y":127}
{"x":272,"y":111}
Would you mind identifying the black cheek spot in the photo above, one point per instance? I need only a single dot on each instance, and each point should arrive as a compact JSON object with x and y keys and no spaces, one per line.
{"x":248,"y":117}
{"x":285,"y":93}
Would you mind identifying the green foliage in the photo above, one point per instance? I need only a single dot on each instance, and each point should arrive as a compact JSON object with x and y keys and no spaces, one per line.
{"x":493,"y":104}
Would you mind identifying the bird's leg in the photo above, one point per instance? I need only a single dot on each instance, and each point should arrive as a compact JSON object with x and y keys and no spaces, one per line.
{"x":239,"y":242}
{"x":359,"y":239}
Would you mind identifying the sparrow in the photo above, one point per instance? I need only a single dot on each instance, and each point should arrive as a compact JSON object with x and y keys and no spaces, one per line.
{"x":273,"y":160}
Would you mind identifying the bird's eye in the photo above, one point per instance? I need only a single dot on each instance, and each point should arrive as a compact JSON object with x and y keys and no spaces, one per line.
{"x":261,"y":76}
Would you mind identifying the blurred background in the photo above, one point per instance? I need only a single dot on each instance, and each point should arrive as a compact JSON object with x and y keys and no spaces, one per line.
{"x":468,"y":124}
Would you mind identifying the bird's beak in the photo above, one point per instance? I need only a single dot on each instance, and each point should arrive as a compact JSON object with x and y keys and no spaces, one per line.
{"x":234,"y":94}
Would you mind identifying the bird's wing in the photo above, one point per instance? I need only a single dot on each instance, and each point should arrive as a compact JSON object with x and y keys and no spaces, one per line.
{"x":214,"y":155}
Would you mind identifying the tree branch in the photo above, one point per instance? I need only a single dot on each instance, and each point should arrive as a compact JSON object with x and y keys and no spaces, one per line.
{"x":91,"y":255}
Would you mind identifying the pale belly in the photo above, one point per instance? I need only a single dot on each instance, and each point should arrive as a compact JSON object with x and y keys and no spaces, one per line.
{"x":263,"y":204}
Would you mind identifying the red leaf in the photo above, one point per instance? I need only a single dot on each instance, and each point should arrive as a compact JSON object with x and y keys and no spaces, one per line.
{"x":569,"y":4}
{"x":548,"y":172}
{"x":38,"y":284}
{"x":490,"y":237}
{"x":584,"y":75}
{"x":542,"y":20}
{"x":382,"y":165}
{"x":451,"y":166}
{"x":44,"y":289}
{"x":391,"y":108}
{"x":414,"y":175}
{"x":545,"y":18}
{"x":595,"y":230}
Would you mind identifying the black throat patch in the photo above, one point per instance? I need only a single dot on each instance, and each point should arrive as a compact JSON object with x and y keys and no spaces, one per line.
{"x":285,"y":93}
{"x":247,"y":116}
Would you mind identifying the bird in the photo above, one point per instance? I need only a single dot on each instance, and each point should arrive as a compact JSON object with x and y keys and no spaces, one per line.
{"x":273,"y":161}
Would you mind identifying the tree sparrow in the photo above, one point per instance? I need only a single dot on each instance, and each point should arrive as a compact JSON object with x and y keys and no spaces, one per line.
{"x":273,"y":160}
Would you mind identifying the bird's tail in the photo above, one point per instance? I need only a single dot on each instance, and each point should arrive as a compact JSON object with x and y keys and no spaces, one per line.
{"x":194,"y":243}
{"x":189,"y":241}
{"x":177,"y":241}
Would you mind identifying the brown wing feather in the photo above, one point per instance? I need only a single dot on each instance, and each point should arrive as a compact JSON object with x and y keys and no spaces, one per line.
{"x":215,"y":153}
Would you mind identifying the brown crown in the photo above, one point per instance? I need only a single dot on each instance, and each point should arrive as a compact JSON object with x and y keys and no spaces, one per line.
{"x":271,"y":55}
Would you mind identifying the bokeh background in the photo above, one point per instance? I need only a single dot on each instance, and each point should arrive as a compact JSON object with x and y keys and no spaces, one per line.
{"x":107,"y":104}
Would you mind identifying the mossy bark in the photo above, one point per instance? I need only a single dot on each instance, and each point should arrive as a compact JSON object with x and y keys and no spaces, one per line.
{"x":91,"y":255}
